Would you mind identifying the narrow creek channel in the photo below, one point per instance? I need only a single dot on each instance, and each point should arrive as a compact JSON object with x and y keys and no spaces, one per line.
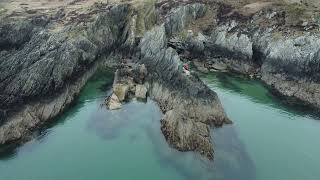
{"x":267,"y":140}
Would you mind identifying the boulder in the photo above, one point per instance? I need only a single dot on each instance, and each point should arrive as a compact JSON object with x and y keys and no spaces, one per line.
{"x":113,"y":102}
{"x":121,"y":90}
{"x":219,"y":66}
{"x":141,"y":91}
{"x":200,"y":66}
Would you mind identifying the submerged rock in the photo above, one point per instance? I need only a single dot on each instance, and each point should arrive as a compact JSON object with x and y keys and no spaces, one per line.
{"x":186,"y":135}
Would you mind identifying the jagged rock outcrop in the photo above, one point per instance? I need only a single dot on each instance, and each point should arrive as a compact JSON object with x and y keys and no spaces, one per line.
{"x":129,"y":82}
{"x":31,"y":116}
{"x":190,"y":107}
{"x":265,"y":45}
{"x":187,"y":120}
{"x":181,"y":17}
{"x":113,"y":102}
{"x":42,"y":71}
{"x":289,"y":64}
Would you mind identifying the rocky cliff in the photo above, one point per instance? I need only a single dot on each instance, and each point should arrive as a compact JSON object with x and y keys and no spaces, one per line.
{"x":44,"y":69}
{"x":190,"y":107}
{"x":261,"y":40}
{"x":46,"y":58}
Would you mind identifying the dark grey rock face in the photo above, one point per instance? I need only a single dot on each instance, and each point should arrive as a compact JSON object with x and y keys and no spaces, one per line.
{"x":49,"y":60}
{"x":42,"y":71}
{"x":290,"y":64}
{"x":285,"y":58}
{"x":13,"y":35}
{"x":31,"y":116}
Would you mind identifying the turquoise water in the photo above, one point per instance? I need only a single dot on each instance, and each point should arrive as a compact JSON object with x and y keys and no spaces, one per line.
{"x":281,"y":141}
{"x":267,"y":141}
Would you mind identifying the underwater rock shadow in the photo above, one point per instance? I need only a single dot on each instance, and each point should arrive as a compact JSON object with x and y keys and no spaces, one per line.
{"x":264,"y":96}
{"x":231,"y":159}
{"x":110,"y":124}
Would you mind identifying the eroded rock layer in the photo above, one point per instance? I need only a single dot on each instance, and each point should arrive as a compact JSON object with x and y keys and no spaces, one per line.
{"x":45,"y":59}
{"x":190,"y":107}
{"x":262,"y":40}
{"x":43,"y":70}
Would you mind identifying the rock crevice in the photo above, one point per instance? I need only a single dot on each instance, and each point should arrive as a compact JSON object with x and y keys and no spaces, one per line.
{"x":42,"y":73}
{"x":260,"y":44}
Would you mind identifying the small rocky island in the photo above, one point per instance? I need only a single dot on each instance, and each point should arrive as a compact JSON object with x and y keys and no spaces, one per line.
{"x":49,"y":49}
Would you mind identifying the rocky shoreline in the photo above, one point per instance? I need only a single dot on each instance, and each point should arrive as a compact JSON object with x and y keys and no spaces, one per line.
{"x":264,"y":45}
{"x":46,"y":60}
{"x":49,"y":68}
{"x":190,"y":108}
{"x":44,"y":71}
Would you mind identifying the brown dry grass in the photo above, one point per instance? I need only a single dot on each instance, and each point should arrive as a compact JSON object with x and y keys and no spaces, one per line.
{"x":24,"y":7}
{"x":297,"y":11}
